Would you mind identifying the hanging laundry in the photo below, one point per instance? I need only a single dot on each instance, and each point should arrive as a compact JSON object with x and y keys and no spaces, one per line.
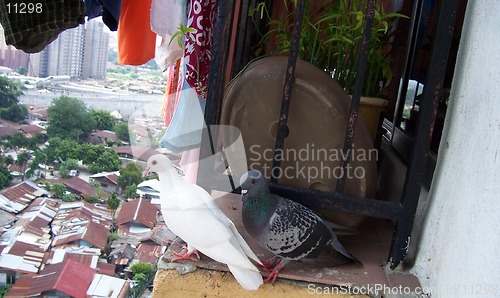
{"x":136,"y":41}
{"x":108,"y":9}
{"x":32,"y":26}
{"x":198,"y":44}
{"x":184,"y":132}
{"x":167,"y":53}
{"x":172,"y":92}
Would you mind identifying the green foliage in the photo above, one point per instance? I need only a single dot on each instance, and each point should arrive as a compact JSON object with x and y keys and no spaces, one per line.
{"x":113,"y":202}
{"x":5,"y":177}
{"x":59,"y":190}
{"x":103,"y":119}
{"x":40,"y":157}
{"x":131,"y":191}
{"x":15,"y":113}
{"x":22,"y":161}
{"x":122,"y":132}
{"x":4,"y":290}
{"x":66,"y":166}
{"x":92,"y":200}
{"x":129,"y":175}
{"x":331,"y":39}
{"x":89,"y":153}
{"x":140,"y":277}
{"x":141,"y":267}
{"x":69,"y":119}
{"x":66,"y":149}
{"x":10,"y":90}
{"x":19,"y":140}
{"x":108,"y":161}
{"x":68,"y":197}
{"x":112,"y":236}
{"x":8,"y":160}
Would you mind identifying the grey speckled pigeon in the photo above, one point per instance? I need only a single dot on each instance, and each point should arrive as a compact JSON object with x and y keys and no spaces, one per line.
{"x":286,"y":228}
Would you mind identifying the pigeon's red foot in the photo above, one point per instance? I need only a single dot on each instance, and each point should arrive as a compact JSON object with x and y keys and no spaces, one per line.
{"x":270,"y":264}
{"x":274,"y":274}
{"x":184,"y":255}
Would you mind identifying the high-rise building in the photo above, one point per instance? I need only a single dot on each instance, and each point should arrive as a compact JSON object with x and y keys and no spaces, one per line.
{"x":9,"y":55}
{"x":79,"y":52}
{"x":96,"y":51}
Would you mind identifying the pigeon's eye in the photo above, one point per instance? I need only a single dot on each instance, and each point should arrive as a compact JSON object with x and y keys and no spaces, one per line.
{"x":154,"y":162}
{"x":253,"y":181}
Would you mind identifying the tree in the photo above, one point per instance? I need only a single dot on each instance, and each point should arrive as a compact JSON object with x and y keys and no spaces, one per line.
{"x":113,"y":202}
{"x":131,"y":191}
{"x":69,"y":119}
{"x":59,"y":190}
{"x":10,"y":90}
{"x":5,"y":177}
{"x":14,"y":113}
{"x":108,"y":161}
{"x":22,"y":160}
{"x":142,"y":267}
{"x":103,"y":119}
{"x":129,"y":175}
{"x":90,"y":153}
{"x":122,"y":132}
{"x":17,"y":141}
{"x":67,"y":166}
{"x":66,"y":149}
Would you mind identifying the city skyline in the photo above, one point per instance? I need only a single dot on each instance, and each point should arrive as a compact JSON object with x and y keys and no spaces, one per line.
{"x":80,"y":53}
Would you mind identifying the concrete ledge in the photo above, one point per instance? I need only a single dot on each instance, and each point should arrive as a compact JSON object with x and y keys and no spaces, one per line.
{"x":212,"y":283}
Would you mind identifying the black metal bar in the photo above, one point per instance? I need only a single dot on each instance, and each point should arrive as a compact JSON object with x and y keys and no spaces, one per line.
{"x":216,"y":82}
{"x":339,"y":202}
{"x":412,"y":44}
{"x":356,"y":96}
{"x":428,"y":111}
{"x":240,"y":37}
{"x":288,"y":87}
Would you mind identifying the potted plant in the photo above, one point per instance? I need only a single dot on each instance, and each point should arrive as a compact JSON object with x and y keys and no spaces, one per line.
{"x":331,"y":39}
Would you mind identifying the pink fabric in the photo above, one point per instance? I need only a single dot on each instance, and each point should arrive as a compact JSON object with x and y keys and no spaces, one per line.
{"x":189,"y":164}
{"x":198,"y":44}
{"x":172,"y":94}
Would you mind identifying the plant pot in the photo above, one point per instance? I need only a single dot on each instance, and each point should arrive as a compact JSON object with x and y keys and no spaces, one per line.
{"x":370,"y":109}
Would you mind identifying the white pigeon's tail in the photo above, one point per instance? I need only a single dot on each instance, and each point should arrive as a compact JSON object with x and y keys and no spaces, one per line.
{"x":248,"y":279}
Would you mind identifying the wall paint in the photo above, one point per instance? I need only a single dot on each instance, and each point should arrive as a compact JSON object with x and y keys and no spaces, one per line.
{"x":459,"y":252}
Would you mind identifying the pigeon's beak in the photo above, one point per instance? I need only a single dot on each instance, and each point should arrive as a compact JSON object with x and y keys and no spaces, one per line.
{"x":244,"y":191}
{"x":146,"y":171}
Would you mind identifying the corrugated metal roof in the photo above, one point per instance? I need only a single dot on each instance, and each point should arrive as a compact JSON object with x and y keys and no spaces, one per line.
{"x":138,"y":211}
{"x":148,"y":252}
{"x":78,"y":186}
{"x":107,"y":286}
{"x":83,"y":211}
{"x":69,"y":277}
{"x":16,"y":198}
{"x":91,"y":233}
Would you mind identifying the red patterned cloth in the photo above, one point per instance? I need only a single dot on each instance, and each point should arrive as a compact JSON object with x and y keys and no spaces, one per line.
{"x":198,"y":45}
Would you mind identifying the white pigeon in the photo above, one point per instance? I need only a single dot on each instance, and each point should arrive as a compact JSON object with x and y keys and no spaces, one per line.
{"x":190,"y":213}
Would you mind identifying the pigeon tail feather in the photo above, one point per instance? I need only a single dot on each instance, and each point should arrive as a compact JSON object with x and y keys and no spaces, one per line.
{"x":341,"y":249}
{"x":248,"y":279}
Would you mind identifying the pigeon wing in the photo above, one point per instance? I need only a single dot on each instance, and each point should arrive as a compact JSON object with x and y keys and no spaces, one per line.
{"x":296,"y":232}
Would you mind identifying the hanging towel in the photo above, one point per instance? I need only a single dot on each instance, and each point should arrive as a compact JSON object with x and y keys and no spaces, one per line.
{"x":136,"y":41}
